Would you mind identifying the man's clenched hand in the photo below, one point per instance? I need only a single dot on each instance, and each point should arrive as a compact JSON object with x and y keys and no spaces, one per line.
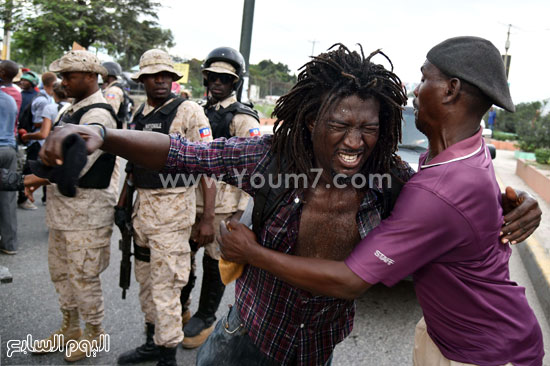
{"x":522,"y":216}
{"x":52,"y":152}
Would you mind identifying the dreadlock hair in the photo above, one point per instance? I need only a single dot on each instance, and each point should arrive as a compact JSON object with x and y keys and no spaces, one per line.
{"x":323,"y":82}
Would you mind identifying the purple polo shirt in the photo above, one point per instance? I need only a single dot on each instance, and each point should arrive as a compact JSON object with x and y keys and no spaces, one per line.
{"x":444,"y":230}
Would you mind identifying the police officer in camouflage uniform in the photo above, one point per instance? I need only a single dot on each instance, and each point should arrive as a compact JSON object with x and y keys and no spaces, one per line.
{"x":223,"y":75}
{"x":81,"y":226}
{"x":114,"y":92}
{"x":164,"y":213}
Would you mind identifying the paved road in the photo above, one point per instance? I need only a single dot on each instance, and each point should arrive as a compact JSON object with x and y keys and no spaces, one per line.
{"x":382,"y":336}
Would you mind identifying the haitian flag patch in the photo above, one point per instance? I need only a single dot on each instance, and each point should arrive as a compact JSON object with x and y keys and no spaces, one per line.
{"x":205,"y":132}
{"x":254,"y":132}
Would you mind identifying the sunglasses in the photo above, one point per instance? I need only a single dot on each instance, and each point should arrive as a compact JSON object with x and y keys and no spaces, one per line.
{"x":224,"y":78}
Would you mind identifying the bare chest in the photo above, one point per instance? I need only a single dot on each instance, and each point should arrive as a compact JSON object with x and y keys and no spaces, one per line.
{"x":328,"y":226}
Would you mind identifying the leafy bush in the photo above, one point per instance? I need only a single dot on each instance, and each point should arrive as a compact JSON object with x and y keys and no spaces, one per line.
{"x":525,"y":146}
{"x":542,"y":156}
{"x":504,"y":136}
{"x":534,"y":134}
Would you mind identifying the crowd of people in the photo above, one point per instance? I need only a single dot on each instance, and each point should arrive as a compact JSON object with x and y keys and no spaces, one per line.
{"x":313,"y":248}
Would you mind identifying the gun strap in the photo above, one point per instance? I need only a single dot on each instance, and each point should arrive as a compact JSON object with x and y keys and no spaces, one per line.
{"x":141,"y":253}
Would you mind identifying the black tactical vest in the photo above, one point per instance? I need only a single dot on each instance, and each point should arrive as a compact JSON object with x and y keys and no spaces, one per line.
{"x":99,"y":175}
{"x":124,"y":109}
{"x":221,"y":119}
{"x":159,"y":120}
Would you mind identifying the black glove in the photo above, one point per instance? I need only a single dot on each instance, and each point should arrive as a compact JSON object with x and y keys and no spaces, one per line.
{"x":120,"y":218}
{"x":65,"y":176}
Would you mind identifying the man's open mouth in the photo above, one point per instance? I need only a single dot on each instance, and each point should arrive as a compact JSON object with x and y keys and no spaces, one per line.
{"x":349,"y":160}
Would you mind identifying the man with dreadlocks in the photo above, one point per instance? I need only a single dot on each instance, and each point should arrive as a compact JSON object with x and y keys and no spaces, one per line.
{"x":473,"y":314}
{"x":342,"y":119}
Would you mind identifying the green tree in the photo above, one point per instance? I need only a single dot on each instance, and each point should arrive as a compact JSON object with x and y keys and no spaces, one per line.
{"x":144,"y":36}
{"x":508,"y":122}
{"x":265,"y":73}
{"x":272,"y":78}
{"x":195,"y":82}
{"x":51,"y":27}
{"x":534,"y":133}
{"x":10,"y":10}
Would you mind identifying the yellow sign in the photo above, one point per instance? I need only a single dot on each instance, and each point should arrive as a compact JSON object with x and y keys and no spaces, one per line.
{"x":183,"y":69}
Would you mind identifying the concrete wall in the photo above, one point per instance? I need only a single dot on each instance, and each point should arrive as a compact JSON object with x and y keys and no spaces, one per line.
{"x":503,"y":145}
{"x":538,"y":180}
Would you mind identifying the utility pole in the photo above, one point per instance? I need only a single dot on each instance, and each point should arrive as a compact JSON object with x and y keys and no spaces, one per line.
{"x":246,"y":40}
{"x":507,"y":58}
{"x":313,"y":47}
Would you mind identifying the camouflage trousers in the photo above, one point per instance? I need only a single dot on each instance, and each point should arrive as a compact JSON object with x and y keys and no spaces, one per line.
{"x":75,"y":260}
{"x":161,"y":280}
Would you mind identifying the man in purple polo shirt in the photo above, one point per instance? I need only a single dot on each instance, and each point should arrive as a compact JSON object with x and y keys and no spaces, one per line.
{"x":272,"y":321}
{"x":473,"y":313}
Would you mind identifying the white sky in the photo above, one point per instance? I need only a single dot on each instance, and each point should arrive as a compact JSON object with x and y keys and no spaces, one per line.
{"x":405,"y":30}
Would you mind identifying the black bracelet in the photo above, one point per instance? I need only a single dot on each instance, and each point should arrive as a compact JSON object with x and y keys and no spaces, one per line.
{"x":103,"y":129}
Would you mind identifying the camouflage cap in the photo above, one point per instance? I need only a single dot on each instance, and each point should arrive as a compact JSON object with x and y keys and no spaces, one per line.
{"x":220,"y":67}
{"x":78,"y":61}
{"x":155,"y":61}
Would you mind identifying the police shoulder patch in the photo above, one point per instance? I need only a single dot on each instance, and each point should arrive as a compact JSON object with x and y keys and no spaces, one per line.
{"x":254,"y":132}
{"x":204,"y":132}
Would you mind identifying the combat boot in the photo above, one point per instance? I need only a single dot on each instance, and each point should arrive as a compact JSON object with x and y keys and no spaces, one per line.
{"x":70,"y":330}
{"x":90,"y":342}
{"x":167,"y":356}
{"x":202,"y":323}
{"x":148,"y":351}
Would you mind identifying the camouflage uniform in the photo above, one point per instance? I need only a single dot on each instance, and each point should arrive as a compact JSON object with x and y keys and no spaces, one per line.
{"x":80,"y":231}
{"x":114,"y":95}
{"x":229,"y":199}
{"x":222,"y":71}
{"x":80,"y":228}
{"x":162,"y":222}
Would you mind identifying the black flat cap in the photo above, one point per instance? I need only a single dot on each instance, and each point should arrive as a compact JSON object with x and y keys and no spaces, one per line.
{"x":477,"y":61}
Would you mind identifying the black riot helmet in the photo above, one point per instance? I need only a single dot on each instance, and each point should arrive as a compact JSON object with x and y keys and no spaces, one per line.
{"x":113,"y":68}
{"x":225,"y":60}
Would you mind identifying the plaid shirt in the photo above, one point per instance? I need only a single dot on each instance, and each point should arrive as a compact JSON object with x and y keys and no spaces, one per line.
{"x":288,"y":324}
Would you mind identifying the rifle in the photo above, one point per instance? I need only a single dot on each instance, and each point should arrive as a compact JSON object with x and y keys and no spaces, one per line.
{"x":125,"y":243}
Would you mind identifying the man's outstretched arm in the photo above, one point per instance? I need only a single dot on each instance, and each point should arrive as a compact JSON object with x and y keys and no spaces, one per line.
{"x":148,"y":149}
{"x":318,"y":276}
